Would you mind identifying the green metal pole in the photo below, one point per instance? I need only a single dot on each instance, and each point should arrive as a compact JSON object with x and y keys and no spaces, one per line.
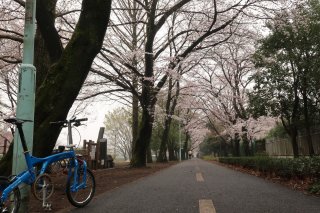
{"x":26,"y":98}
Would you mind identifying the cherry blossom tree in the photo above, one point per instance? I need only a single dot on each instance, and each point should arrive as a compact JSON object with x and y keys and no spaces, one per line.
{"x":213,"y":31}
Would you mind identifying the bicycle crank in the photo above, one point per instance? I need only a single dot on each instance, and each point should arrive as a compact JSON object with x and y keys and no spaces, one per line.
{"x":43,"y":187}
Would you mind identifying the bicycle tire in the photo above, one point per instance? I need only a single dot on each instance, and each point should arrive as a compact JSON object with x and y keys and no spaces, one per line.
{"x":91,"y":185}
{"x":13,"y":202}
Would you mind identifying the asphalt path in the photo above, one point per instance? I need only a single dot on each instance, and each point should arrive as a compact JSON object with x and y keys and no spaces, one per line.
{"x":197,"y":186}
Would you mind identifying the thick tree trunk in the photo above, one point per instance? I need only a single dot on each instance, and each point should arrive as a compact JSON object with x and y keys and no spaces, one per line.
{"x":171,"y":149}
{"x":61,"y":86}
{"x":142,"y":143}
{"x":41,"y":59}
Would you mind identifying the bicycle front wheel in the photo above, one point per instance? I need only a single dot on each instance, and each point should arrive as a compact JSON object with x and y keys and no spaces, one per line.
{"x":12,"y":203}
{"x":81,"y":197}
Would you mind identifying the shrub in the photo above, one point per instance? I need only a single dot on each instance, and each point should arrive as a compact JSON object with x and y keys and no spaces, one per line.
{"x":209,"y":157}
{"x":315,"y":188}
{"x":285,"y":168}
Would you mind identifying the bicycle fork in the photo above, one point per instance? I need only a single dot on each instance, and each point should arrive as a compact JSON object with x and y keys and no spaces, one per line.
{"x":80,"y":167}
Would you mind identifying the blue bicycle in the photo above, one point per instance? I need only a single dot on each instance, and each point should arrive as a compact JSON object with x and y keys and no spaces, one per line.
{"x":80,"y":187}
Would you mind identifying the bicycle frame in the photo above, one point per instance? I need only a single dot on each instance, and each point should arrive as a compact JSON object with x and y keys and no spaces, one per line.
{"x":29,"y":176}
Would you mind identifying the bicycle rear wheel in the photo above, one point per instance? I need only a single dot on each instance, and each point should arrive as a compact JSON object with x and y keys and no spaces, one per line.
{"x":12,"y":203}
{"x":81,"y":197}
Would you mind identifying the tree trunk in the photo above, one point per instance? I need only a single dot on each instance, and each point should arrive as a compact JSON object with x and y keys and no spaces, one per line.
{"x":171,"y":149}
{"x":135,"y":114}
{"x":149,"y":155}
{"x":61,"y":86}
{"x":6,"y":162}
{"x":41,"y":59}
{"x":135,"y":99}
{"x":171,"y":104}
{"x":148,"y":101}
{"x":164,"y":142}
{"x":236,"y":145}
{"x":141,"y":145}
{"x":245,"y":142}
{"x":185,"y":147}
{"x":294,"y":142}
{"x":306,"y":117}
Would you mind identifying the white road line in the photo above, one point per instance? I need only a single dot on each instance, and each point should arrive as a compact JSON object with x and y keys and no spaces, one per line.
{"x":199,"y":177}
{"x":206,"y":206}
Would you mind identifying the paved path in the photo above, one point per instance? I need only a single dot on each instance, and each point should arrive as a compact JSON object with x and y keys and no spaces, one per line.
{"x":196,"y":186}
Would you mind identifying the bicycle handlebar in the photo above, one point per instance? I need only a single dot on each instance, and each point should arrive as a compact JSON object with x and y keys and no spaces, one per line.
{"x":80,"y":119}
{"x":69,"y":121}
{"x":16,"y":121}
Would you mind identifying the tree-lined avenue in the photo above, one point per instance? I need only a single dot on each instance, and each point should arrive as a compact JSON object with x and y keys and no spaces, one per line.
{"x":177,"y":190}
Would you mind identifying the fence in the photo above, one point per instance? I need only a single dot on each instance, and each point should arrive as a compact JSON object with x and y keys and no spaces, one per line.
{"x":96,"y":154}
{"x":283,"y":147}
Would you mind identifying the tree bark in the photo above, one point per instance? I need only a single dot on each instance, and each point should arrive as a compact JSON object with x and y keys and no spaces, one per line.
{"x":41,"y":59}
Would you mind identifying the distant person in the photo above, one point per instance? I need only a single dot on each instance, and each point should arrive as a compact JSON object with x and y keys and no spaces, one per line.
{"x":190,"y":154}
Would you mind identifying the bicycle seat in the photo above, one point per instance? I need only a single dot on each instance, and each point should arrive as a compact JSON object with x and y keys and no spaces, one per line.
{"x":16,"y":120}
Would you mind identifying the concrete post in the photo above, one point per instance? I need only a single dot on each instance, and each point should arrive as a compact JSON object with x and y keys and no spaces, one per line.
{"x":26,"y":97}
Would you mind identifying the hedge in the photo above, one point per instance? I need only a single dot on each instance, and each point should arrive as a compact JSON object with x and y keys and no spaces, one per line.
{"x":283,"y":167}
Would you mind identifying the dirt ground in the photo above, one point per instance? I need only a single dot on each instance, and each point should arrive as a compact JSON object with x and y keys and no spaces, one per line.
{"x":106,"y":179}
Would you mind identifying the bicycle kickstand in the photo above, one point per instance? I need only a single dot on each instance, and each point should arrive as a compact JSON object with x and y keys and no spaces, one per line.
{"x":45,"y":205}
